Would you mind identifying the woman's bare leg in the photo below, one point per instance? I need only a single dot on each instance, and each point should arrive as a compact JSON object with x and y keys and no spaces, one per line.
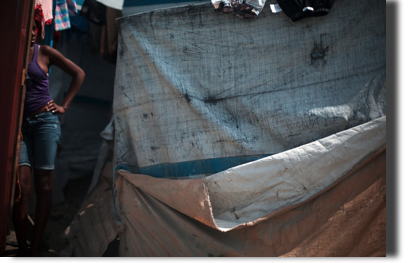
{"x":43,"y":188}
{"x":20,"y":209}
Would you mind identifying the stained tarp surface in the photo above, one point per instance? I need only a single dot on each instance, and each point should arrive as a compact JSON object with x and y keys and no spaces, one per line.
{"x":197,"y":92}
{"x":326,"y":198}
{"x":251,"y":138}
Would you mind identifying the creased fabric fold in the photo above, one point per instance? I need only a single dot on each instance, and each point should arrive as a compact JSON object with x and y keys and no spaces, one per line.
{"x":250,"y":193}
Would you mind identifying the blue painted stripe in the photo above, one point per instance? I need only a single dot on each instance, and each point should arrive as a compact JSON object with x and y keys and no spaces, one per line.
{"x":185,"y":169}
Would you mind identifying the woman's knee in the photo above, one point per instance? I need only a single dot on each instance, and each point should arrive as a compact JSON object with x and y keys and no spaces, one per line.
{"x":23,"y":183}
{"x":43,"y":181}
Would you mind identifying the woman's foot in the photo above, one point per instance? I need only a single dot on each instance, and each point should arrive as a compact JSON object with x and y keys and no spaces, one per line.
{"x":22,"y":253}
{"x":34,"y":253}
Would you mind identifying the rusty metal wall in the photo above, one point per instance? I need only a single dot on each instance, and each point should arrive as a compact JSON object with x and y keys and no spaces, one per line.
{"x":14,"y":29}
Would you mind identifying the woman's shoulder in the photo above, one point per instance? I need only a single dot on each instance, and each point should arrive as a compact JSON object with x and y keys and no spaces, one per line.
{"x":48,"y":51}
{"x":45,"y":48}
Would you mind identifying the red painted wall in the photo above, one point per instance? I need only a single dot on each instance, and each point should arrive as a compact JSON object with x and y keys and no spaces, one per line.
{"x":14,"y":32}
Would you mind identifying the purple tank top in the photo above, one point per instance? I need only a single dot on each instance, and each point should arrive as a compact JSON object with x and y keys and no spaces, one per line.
{"x":37,"y":90}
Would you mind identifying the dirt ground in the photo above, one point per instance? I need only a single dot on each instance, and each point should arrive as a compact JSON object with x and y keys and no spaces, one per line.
{"x":60,"y":218}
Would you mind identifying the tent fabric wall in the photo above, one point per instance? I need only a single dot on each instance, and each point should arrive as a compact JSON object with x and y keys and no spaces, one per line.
{"x":251,"y":138}
{"x":242,"y":195}
{"x":344,"y":216}
{"x":347,"y":220}
{"x":198,"y":92}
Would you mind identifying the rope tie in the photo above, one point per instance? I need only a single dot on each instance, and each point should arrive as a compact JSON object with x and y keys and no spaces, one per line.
{"x":17,"y":199}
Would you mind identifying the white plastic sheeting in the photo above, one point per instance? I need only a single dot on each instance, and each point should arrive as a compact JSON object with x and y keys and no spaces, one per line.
{"x":116,"y":4}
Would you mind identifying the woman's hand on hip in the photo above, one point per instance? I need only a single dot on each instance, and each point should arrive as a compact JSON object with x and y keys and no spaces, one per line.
{"x":55,"y":108}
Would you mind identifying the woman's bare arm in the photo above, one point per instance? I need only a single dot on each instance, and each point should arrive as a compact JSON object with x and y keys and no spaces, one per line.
{"x":69,"y":67}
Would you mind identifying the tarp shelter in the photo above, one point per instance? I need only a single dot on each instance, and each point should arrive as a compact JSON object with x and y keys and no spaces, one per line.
{"x":261,"y":137}
{"x":276,"y":131}
{"x":91,"y":108}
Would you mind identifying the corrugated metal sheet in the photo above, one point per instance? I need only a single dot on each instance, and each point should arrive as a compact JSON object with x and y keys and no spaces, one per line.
{"x":14,"y":30}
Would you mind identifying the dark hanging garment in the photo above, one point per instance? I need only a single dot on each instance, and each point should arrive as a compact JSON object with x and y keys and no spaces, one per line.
{"x":322,"y":7}
{"x":299,"y":9}
{"x":94,"y":11}
{"x":294,"y":8}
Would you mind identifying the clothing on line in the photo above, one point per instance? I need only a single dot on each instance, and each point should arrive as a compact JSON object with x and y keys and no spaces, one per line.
{"x":300,"y":9}
{"x":240,"y":8}
{"x":63,"y":9}
{"x":43,"y":15}
{"x":116,"y":4}
{"x":46,"y":6}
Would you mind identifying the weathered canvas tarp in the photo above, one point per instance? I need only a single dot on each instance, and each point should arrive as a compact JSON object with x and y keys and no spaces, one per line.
{"x":331,"y":192}
{"x":197,"y":92}
{"x":280,"y":125}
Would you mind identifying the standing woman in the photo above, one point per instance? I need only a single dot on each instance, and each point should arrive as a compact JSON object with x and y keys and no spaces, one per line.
{"x":41,"y":134}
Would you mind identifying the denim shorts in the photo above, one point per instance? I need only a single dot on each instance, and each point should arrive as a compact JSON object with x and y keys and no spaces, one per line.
{"x":41,"y":136}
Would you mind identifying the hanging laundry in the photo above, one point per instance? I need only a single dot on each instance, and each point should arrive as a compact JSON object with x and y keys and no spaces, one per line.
{"x":322,"y":7}
{"x":240,"y":8}
{"x":94,"y":11}
{"x":46,"y":7}
{"x":80,"y":3}
{"x":43,"y":15}
{"x":274,"y":7}
{"x":72,"y":7}
{"x":62,"y":15}
{"x":78,"y":24}
{"x":109,"y":36}
{"x":116,"y":4}
{"x":299,"y":9}
{"x":222,"y":6}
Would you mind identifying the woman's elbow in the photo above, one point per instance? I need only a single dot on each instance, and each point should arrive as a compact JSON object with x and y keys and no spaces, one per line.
{"x":79,"y":76}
